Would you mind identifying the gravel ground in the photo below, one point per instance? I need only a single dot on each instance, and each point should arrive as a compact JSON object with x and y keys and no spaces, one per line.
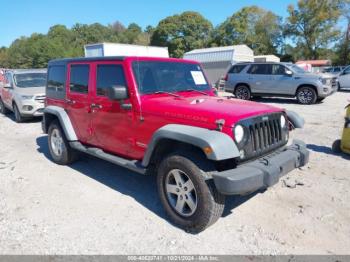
{"x":94,"y":207}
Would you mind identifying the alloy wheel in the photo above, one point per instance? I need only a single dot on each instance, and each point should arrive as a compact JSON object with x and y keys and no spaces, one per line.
{"x":305,"y":96}
{"x":56,"y":142}
{"x":180,"y":191}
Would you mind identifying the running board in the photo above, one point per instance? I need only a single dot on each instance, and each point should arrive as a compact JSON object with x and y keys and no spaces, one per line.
{"x":133,"y":165}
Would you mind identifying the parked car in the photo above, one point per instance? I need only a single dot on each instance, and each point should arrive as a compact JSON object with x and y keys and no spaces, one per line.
{"x":344,"y":79}
{"x":160,"y":115}
{"x":23,"y":93}
{"x":335,"y":70}
{"x":246,"y":80}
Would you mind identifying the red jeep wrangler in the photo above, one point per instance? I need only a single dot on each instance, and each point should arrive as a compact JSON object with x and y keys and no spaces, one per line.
{"x":160,"y":115}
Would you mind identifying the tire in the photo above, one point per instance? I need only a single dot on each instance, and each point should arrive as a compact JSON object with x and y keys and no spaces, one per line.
{"x":336,"y":146}
{"x":339,"y":87}
{"x":242,"y":92}
{"x":306,"y":95}
{"x":3,"y":109}
{"x":59,"y":148}
{"x":201,"y":203}
{"x":18,"y":117}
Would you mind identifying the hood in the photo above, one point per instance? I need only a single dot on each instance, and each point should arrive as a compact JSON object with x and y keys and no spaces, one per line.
{"x":314,"y":75}
{"x":204,"y":108}
{"x":31,"y":90}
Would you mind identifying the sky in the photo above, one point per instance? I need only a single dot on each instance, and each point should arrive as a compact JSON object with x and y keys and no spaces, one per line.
{"x":24,"y":17}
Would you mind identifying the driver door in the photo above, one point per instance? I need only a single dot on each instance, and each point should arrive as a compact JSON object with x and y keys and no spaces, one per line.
{"x":344,"y":78}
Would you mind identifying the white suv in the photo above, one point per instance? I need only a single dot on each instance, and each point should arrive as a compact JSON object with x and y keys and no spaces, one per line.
{"x":23,"y":93}
{"x":344,"y":79}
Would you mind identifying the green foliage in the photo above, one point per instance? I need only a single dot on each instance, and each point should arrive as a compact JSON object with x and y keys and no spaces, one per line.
{"x":312,"y":24}
{"x":258,"y":28}
{"x":309,"y":32}
{"x":182,"y":33}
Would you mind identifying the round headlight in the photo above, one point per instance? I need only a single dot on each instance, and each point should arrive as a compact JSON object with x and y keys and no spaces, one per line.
{"x":283,"y":121}
{"x":239,"y":133}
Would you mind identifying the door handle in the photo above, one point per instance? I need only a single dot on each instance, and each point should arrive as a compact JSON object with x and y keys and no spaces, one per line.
{"x":95,"y":106}
{"x":70,"y":101}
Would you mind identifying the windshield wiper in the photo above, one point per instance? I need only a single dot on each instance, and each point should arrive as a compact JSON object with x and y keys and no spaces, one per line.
{"x":166,"y":92}
{"x":195,"y":90}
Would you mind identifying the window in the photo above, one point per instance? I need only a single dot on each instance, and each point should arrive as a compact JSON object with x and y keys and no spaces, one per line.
{"x":24,"y":80}
{"x":79,"y":78}
{"x":109,"y":76}
{"x":56,"y":78}
{"x":156,"y":76}
{"x":236,"y":69}
{"x":278,"y":70}
{"x":347,"y":70}
{"x":259,"y":69}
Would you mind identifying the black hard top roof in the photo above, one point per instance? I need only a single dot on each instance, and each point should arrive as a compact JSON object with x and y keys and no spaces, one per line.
{"x":64,"y":61}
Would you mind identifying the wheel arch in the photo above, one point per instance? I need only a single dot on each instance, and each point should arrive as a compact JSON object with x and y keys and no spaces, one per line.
{"x":54,"y":112}
{"x":173,"y":136}
{"x":306,"y":85}
{"x":243,"y":84}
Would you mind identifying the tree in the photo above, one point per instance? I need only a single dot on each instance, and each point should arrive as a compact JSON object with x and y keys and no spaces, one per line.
{"x":182,"y":33}
{"x":3,"y":57}
{"x":312,"y":24}
{"x":258,"y":28}
{"x":343,"y":47}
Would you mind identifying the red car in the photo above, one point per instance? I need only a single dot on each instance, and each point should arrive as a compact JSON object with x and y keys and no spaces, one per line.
{"x":160,"y":116}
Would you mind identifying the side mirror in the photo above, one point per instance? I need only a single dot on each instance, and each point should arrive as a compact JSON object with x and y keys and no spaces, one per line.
{"x":288,"y":73}
{"x":117,"y":93}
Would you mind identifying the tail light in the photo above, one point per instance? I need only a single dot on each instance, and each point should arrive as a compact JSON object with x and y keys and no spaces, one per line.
{"x":226,"y":77}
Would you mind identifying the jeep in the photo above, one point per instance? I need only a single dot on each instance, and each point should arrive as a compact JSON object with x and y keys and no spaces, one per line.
{"x":23,"y":92}
{"x":160,"y":115}
{"x":247,"y":80}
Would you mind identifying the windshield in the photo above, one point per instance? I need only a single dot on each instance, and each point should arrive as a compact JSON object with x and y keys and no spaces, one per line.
{"x":30,"y":80}
{"x":297,"y":69}
{"x":155,"y":76}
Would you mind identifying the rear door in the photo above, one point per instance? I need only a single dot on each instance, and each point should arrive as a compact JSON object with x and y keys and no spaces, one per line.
{"x":112,"y":120}
{"x":259,"y":76}
{"x":78,"y":99}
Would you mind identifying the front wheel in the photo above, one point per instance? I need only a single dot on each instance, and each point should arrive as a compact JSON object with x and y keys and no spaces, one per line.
{"x":18,"y":117}
{"x":242,"y":92}
{"x":306,"y":95}
{"x":190,"y":201}
{"x":60,"y":150}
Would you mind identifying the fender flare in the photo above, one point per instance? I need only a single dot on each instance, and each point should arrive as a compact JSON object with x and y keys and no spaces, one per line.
{"x":296,"y":120}
{"x":64,"y":120}
{"x":223,"y":147}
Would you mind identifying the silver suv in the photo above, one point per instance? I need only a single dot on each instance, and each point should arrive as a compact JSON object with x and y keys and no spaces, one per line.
{"x":245,"y":80}
{"x":23,"y":92}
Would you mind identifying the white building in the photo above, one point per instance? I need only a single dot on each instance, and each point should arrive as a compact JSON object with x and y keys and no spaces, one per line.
{"x":217,"y":60}
{"x":266,"y":58}
{"x":116,"y":49}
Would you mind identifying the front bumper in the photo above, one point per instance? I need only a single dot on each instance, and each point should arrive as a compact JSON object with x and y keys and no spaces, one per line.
{"x":29,"y":108}
{"x":330,"y":90}
{"x":263,"y":172}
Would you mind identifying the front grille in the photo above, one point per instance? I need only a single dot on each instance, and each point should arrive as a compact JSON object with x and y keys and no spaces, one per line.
{"x":264,"y":135}
{"x":40,"y":99}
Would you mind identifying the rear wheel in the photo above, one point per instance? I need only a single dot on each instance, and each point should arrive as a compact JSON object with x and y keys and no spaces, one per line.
{"x":60,"y":150}
{"x":190,"y":201}
{"x":18,"y":117}
{"x":3,"y":109}
{"x":306,"y":95}
{"x":242,"y":92}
